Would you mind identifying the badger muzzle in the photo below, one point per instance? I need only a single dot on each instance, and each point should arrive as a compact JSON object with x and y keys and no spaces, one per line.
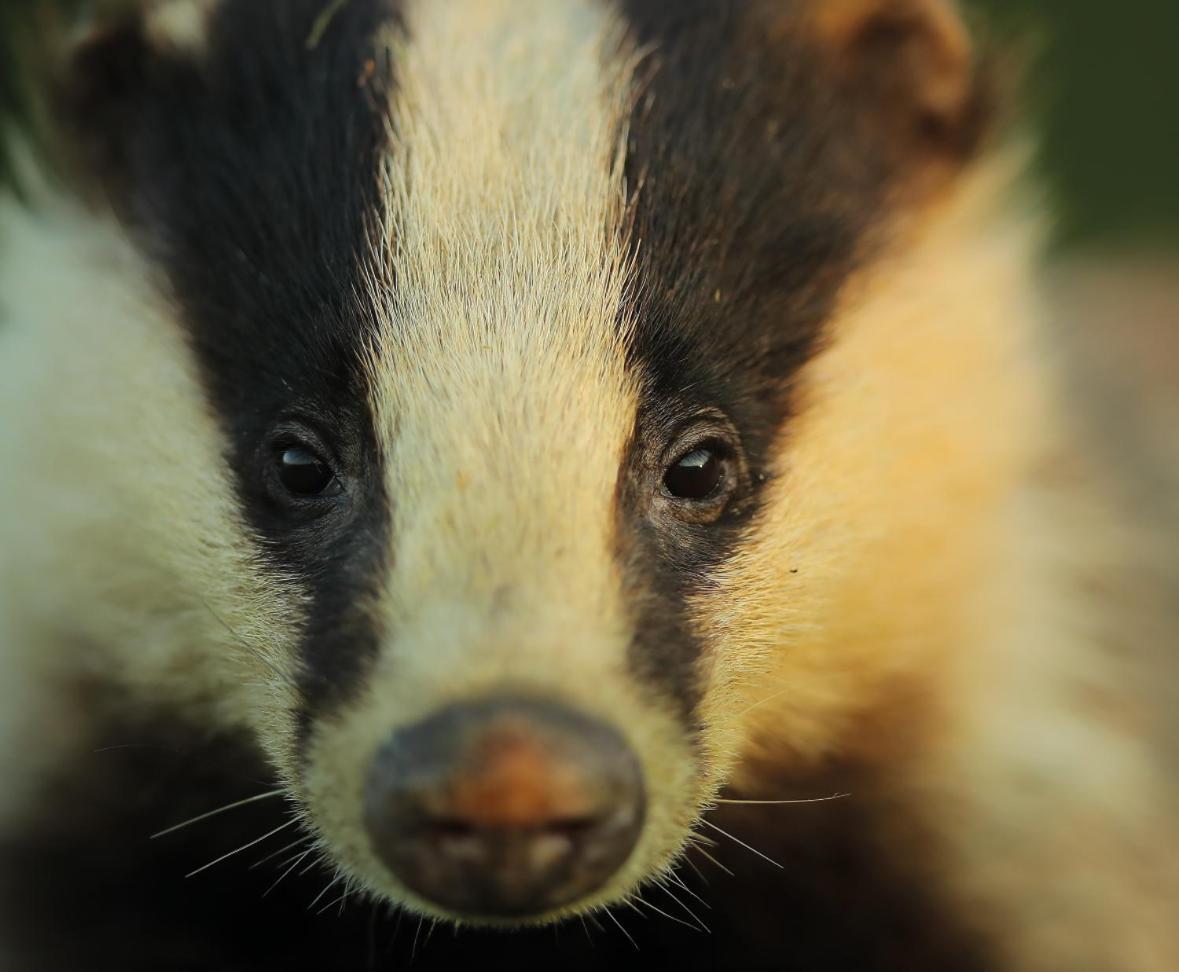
{"x":504,"y":808}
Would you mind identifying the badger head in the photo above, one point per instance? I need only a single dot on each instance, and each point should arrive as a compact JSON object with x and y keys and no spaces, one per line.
{"x":533,"y":386}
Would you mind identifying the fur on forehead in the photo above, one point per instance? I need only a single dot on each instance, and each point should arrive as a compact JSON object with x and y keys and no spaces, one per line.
{"x":502,"y":374}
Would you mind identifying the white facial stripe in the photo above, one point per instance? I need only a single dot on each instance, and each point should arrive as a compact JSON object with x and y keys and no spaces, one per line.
{"x":505,"y":404}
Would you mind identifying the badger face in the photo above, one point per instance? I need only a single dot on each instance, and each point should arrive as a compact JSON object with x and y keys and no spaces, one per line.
{"x":499,"y":307}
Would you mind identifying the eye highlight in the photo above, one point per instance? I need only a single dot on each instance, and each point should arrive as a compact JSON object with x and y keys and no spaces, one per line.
{"x":304,"y":474}
{"x":696,"y":476}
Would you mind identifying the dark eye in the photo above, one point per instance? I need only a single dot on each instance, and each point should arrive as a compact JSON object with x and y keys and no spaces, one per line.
{"x":303,"y":473}
{"x":695,"y":476}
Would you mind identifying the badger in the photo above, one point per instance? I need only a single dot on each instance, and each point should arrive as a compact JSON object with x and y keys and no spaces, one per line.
{"x":597,"y":470}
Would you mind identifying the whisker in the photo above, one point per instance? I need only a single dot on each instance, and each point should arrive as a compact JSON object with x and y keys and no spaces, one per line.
{"x":680,"y":883}
{"x":319,"y":897}
{"x":396,"y":931}
{"x":660,"y":911}
{"x":736,"y":840}
{"x":331,"y":904}
{"x":699,"y":873}
{"x":761,"y":702}
{"x":714,"y":860}
{"x":779,"y":803}
{"x":268,"y":795}
{"x":413,"y":949}
{"x":610,"y":915}
{"x":336,"y":901}
{"x":252,"y":843}
{"x":282,"y":850}
{"x":298,"y":860}
{"x":315,"y":862}
{"x":588,"y":937}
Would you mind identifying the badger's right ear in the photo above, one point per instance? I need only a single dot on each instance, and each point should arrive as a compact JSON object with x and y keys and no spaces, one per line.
{"x":103,"y":72}
{"x":107,"y":65}
{"x":912,"y":67}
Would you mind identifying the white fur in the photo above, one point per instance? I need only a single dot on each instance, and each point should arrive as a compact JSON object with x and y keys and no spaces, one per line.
{"x":122,"y":557}
{"x":905,"y":597}
{"x":505,"y":403}
{"x":181,"y":25}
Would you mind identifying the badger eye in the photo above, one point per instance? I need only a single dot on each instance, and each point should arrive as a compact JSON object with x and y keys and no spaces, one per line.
{"x":696,"y":476}
{"x":302,"y":473}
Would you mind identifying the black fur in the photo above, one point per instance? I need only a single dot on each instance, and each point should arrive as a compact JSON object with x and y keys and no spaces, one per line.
{"x":85,"y":887}
{"x":755,"y":193}
{"x":250,"y":174}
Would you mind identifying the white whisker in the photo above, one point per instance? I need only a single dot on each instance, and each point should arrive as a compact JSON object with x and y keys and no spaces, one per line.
{"x":337,"y":901}
{"x":413,"y":949}
{"x":780,"y":803}
{"x":268,"y":795}
{"x":736,"y":840}
{"x":319,"y":897}
{"x":660,"y":911}
{"x":252,"y":843}
{"x":610,"y":915}
{"x":680,"y":883}
{"x":761,"y":702}
{"x":299,"y":858}
{"x":282,"y":850}
{"x":699,"y":873}
{"x":714,"y":860}
{"x":315,"y":862}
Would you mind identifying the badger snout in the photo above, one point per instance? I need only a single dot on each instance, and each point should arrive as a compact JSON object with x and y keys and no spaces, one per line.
{"x":504,"y":809}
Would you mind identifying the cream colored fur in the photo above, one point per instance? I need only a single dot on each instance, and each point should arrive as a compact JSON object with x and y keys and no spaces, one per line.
{"x":180,"y":24}
{"x":122,"y":559}
{"x":906,"y":599}
{"x":505,"y":402}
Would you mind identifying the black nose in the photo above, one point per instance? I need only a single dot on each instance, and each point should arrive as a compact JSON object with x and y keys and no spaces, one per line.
{"x":504,"y":809}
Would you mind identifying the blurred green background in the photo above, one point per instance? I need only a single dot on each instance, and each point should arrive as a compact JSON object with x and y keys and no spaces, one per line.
{"x":1104,"y":92}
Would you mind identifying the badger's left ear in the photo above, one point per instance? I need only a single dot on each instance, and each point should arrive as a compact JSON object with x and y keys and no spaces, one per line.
{"x":912,"y":66}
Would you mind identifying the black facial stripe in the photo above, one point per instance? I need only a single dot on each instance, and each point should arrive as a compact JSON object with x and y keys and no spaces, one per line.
{"x":753,"y":190}
{"x":250,"y":172}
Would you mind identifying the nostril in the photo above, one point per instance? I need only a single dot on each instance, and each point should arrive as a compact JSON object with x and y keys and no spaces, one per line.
{"x":504,"y":808}
{"x":449,"y":829}
{"x":574,"y":828}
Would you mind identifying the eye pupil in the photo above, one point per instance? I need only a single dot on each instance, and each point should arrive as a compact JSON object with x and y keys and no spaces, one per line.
{"x":696,"y":476}
{"x":304,"y":473}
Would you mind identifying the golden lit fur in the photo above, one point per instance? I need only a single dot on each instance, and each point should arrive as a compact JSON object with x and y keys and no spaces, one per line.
{"x":907,"y":599}
{"x":926,"y":595}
